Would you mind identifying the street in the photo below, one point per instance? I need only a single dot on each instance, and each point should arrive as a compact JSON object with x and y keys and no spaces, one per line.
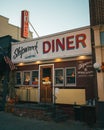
{"x":8,"y":121}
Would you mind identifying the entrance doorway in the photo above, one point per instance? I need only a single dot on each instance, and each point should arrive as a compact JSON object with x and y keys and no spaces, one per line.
{"x":46,"y":83}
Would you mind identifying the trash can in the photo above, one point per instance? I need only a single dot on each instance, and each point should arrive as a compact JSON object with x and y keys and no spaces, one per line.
{"x":78,"y":113}
{"x":89,"y":114}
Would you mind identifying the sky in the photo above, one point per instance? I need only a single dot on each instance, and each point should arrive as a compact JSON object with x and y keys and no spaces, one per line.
{"x":48,"y":16}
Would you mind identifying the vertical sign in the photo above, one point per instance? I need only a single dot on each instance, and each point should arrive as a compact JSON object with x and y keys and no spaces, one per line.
{"x":24,"y":24}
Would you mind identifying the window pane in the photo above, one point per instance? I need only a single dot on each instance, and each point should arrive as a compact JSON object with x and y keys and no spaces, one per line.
{"x":70,"y":71}
{"x":18,"y":78}
{"x":70,"y":76}
{"x":59,"y":76}
{"x":59,"y":72}
{"x":102,"y":37}
{"x":70,"y":80}
{"x":58,"y":80}
{"x":26,"y":78}
{"x":35,"y":77}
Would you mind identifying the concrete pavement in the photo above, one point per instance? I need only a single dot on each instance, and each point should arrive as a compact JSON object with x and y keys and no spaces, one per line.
{"x":8,"y":121}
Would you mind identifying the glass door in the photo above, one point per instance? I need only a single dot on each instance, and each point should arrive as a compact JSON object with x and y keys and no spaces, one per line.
{"x":46,"y":84}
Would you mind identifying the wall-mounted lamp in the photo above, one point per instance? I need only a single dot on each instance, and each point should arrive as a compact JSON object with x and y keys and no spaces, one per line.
{"x":97,"y":67}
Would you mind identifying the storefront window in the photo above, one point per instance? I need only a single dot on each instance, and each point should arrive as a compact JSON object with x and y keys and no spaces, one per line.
{"x":70,"y":76}
{"x":59,"y":77}
{"x":35,"y":77}
{"x":18,"y":78}
{"x":102,"y":38}
{"x":26,"y":78}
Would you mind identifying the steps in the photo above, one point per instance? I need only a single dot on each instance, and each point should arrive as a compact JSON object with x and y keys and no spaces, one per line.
{"x":41,"y":111}
{"x":56,"y":113}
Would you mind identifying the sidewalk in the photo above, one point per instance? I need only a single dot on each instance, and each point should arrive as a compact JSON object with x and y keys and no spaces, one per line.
{"x":10,"y":122}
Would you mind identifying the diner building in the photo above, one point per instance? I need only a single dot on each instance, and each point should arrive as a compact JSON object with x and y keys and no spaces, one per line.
{"x":56,"y":68}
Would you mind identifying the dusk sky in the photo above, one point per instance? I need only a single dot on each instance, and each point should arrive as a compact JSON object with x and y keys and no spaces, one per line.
{"x":48,"y":16}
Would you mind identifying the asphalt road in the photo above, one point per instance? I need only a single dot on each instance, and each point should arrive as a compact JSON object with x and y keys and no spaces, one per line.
{"x":8,"y":121}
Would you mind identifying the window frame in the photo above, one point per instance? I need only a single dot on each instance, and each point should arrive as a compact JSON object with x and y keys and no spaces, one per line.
{"x":24,"y":77}
{"x":55,"y":76}
{"x":32,"y":77}
{"x":69,"y":84}
{"x":21,"y":75}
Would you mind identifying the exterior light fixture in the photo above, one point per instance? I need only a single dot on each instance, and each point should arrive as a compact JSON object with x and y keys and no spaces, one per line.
{"x":58,"y":60}
{"x":97,"y":67}
{"x":21,"y":64}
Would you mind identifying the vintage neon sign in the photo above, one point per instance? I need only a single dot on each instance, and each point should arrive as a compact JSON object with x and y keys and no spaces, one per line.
{"x":24,"y":23}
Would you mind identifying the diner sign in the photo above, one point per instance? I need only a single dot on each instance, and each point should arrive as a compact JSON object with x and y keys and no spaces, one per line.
{"x":24,"y":24}
{"x":66,"y":44}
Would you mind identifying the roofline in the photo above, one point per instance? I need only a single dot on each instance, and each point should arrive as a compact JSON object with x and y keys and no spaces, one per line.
{"x":4,"y":17}
{"x":55,"y":34}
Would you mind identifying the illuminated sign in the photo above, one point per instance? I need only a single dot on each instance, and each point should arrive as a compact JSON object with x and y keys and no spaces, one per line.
{"x":24,"y":23}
